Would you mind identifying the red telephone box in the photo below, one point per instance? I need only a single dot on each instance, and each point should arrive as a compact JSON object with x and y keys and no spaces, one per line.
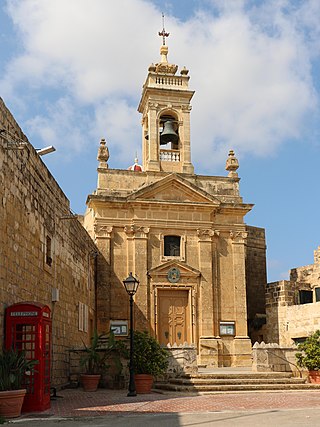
{"x":28,"y":328}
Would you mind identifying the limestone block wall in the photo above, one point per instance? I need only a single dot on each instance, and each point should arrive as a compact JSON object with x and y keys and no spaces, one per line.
{"x":46,"y":255}
{"x":308,"y":274}
{"x":118,"y":182}
{"x":256,"y":281}
{"x":286,"y":319}
{"x":182,"y":360}
{"x":274,"y":358}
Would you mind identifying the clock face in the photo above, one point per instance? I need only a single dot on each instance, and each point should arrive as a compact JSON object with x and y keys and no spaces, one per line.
{"x":173,"y":275}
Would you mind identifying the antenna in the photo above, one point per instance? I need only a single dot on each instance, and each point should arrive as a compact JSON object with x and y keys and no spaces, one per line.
{"x":163,"y":33}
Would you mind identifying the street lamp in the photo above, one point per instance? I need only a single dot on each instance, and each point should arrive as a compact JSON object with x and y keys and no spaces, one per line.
{"x":131,"y":285}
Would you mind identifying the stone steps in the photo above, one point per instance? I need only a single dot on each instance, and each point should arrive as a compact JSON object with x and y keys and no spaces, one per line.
{"x":235,"y":382}
{"x":235,"y":387}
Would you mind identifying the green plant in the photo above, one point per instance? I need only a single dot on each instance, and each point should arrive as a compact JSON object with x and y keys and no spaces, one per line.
{"x":13,"y":366}
{"x":309,"y":352}
{"x":148,"y":356}
{"x":102,"y":348}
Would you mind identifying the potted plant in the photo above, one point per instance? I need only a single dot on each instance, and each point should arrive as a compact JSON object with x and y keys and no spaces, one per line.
{"x":149,"y":360}
{"x":95,"y":359}
{"x":13,"y":367}
{"x":309,"y":356}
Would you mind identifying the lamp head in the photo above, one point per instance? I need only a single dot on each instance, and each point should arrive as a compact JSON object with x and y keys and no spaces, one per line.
{"x":131,"y":284}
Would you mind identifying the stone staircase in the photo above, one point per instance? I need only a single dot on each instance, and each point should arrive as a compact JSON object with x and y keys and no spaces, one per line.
{"x":235,"y":381}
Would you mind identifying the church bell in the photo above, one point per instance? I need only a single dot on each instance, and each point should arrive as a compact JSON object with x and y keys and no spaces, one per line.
{"x":168,"y":133}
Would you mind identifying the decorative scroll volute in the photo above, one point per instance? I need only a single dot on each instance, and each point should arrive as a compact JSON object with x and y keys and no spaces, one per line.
{"x":238,"y":236}
{"x":136,"y":231}
{"x":207,"y":234}
{"x":103,"y":231}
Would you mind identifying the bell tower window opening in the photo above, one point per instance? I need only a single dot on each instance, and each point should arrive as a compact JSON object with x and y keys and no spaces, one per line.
{"x":169,"y":132}
{"x":172,"y":246}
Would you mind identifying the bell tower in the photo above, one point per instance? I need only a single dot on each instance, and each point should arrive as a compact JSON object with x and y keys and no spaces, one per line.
{"x":165,"y":108}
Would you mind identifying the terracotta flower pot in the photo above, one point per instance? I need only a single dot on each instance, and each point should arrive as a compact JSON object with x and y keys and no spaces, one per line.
{"x":143,"y":383}
{"x":90,"y":382}
{"x":11,"y":403}
{"x":314,"y":376}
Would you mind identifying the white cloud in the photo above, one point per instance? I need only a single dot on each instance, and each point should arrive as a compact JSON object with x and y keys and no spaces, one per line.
{"x":250,"y":67}
{"x":118,"y":122}
{"x":62,"y":126}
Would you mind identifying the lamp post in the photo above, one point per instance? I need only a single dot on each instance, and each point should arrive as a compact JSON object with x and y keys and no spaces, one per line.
{"x":131,"y":285}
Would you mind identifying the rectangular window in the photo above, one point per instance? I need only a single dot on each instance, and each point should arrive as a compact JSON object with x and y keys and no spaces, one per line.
{"x":80,"y":316}
{"x":48,"y":251}
{"x":305,"y":297}
{"x":317,"y":291}
{"x":172,"y":246}
{"x":83,"y":317}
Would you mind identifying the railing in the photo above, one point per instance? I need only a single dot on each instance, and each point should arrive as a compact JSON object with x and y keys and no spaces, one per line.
{"x":176,"y":81}
{"x":155,"y":80}
{"x":170,"y":155}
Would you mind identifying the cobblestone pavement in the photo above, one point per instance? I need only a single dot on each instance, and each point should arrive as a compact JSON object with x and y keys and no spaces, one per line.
{"x":77,"y":403}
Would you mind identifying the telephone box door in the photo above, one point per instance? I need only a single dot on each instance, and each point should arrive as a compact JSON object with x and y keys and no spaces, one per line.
{"x":28,"y":328}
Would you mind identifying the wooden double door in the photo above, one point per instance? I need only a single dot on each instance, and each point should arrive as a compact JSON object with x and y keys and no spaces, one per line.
{"x":174,"y":317}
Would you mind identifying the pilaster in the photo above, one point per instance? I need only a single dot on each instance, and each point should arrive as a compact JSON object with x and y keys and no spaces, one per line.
{"x":103,"y":235}
{"x":238,"y":239}
{"x":208,"y":301}
{"x":137,"y":237}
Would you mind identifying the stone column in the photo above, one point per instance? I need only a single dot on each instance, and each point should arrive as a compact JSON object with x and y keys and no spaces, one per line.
{"x":153,"y":163}
{"x":239,"y":282}
{"x":103,"y":296}
{"x":137,"y":263}
{"x":142,"y":297}
{"x":185,"y":151}
{"x":242,"y":344}
{"x":208,"y":300}
{"x":129,"y":230}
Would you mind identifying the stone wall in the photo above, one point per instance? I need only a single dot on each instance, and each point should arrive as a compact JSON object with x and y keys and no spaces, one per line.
{"x":182,"y":360}
{"x":308,"y":274}
{"x":256,"y":282}
{"x":44,"y":250}
{"x":287,"y":320}
{"x":274,"y":358}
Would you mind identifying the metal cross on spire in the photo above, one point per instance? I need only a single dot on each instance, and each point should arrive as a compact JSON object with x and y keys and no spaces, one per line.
{"x":163,"y":32}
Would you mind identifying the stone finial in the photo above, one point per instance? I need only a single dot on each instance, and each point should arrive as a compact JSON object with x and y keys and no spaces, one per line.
{"x":164,"y":67}
{"x":184,"y":71}
{"x":103,"y":154}
{"x":232,"y":165}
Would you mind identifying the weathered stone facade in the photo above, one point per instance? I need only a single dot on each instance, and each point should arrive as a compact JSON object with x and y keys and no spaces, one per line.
{"x":46,"y":255}
{"x":274,"y":358}
{"x":293,"y":307}
{"x":256,"y":282}
{"x":196,"y":290}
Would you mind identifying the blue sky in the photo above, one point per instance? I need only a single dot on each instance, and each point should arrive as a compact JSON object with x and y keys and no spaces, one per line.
{"x":72,"y":71}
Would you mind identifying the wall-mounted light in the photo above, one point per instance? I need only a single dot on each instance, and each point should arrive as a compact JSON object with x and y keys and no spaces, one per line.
{"x":45,"y":150}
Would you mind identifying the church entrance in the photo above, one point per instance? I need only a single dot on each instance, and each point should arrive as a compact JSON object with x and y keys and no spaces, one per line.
{"x":173,"y":317}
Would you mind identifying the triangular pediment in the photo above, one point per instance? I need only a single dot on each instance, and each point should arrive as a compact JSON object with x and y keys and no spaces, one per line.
{"x":163,"y":269}
{"x":174,"y":188}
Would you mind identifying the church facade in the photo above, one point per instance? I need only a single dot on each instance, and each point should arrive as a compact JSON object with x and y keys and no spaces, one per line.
{"x":201,"y":269}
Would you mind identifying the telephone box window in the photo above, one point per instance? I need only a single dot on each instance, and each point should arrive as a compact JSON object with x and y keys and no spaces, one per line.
{"x":172,"y":245}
